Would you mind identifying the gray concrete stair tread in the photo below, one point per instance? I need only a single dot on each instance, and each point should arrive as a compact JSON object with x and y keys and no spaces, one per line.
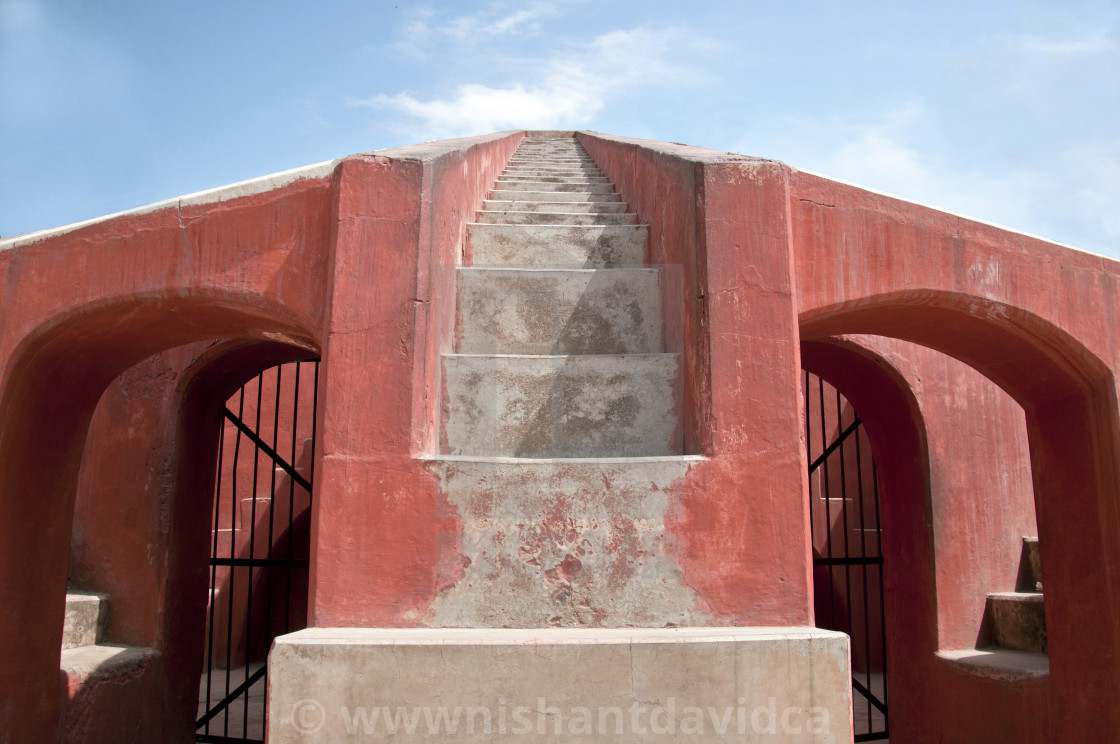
{"x":611,"y":207}
{"x":561,"y":406}
{"x":552,"y":196}
{"x":548,"y":186}
{"x":1005,"y":665}
{"x":103,"y":659}
{"x":587,"y":246}
{"x":559,"y":311}
{"x":525,"y":217}
{"x":538,"y":178}
{"x":87,"y":615}
{"x":575,"y":170}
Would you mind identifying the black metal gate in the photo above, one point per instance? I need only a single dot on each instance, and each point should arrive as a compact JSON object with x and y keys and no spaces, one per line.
{"x":848,"y":546}
{"x":260,"y":547}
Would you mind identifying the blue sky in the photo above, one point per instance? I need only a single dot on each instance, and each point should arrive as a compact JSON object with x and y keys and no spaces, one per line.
{"x":1008,"y":112}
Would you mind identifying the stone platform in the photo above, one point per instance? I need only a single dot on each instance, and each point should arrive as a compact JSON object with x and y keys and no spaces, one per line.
{"x":570,"y":685}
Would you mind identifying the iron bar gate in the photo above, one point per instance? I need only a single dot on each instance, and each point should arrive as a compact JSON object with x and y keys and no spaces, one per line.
{"x":848,"y":546}
{"x":260,"y":546}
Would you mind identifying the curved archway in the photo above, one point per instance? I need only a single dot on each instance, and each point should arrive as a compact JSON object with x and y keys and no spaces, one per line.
{"x":52,"y":383}
{"x":1069,"y":398}
{"x":896,"y":430}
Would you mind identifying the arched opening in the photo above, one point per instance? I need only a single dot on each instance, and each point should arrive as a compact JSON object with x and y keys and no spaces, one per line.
{"x":1069,"y":403}
{"x":55,"y":379}
{"x":895,"y":506}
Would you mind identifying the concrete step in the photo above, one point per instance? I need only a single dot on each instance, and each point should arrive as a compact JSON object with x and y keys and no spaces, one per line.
{"x":492,"y":205}
{"x":579,"y":179}
{"x":556,"y":218}
{"x":589,"y":188}
{"x":560,"y":246}
{"x":561,"y":406}
{"x":528,"y":170}
{"x":612,"y":675}
{"x":1018,"y":620}
{"x":107,"y":690}
{"x":87,"y":617}
{"x":546,"y":161}
{"x":550,"y":196}
{"x":1030,"y":567}
{"x":549,"y":311}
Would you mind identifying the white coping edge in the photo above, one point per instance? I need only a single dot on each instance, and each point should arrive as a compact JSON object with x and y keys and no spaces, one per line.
{"x":209,"y":196}
{"x":942,"y":210}
{"x":547,"y":636}
{"x":260,"y":184}
{"x":706,"y":155}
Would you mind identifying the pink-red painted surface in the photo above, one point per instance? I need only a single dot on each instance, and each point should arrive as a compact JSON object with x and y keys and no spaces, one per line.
{"x":352,"y":262}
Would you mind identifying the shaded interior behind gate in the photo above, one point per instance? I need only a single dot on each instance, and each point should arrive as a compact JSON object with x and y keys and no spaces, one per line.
{"x":260,"y":544}
{"x":848,"y":546}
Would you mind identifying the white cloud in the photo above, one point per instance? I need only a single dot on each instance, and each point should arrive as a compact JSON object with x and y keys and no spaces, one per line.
{"x":1097,"y":42}
{"x":572,"y":89}
{"x":1068,"y":195}
{"x":427,"y":29}
{"x":479,"y":108}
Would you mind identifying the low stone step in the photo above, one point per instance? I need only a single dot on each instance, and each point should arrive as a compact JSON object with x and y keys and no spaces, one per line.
{"x":492,"y":205}
{"x":562,"y":246}
{"x":580,"y":170}
{"x":87,"y":616}
{"x":551,"y":162}
{"x":550,"y":311}
{"x":550,"y":196}
{"x":1030,"y":567}
{"x":612,"y":677}
{"x":557,"y":218}
{"x":588,"y":188}
{"x":561,"y":406}
{"x":1018,"y":620}
{"x":551,"y":179}
{"x":106,"y":691}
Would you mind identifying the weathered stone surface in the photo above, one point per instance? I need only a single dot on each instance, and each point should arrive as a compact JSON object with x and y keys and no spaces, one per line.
{"x":564,"y":543}
{"x":546,"y":178}
{"x":555,"y":196}
{"x":528,"y":205}
{"x":550,"y":311}
{"x":576,"y":246}
{"x":1018,"y":620}
{"x":633,"y":685}
{"x":1001,"y":664}
{"x":524,"y":217}
{"x":561,"y":406}
{"x":86,"y":619}
{"x":581,"y":186}
{"x":572,"y":171}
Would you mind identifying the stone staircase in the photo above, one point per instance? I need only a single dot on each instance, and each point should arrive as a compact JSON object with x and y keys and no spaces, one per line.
{"x":1018,"y":618}
{"x":557,"y":581}
{"x":561,"y":433}
{"x":559,"y":339}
